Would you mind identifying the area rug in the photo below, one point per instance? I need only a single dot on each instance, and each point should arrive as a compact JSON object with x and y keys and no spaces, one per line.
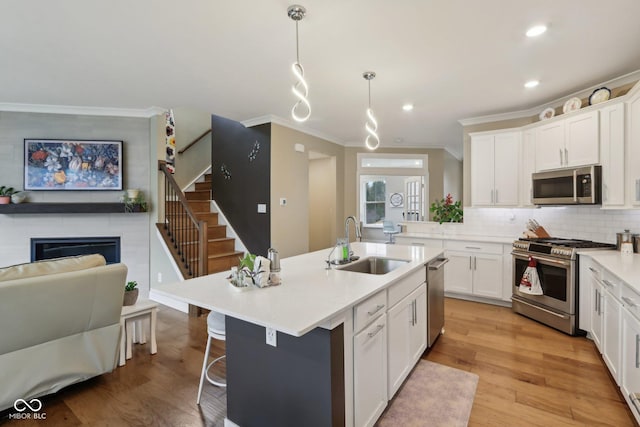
{"x":434,"y":395}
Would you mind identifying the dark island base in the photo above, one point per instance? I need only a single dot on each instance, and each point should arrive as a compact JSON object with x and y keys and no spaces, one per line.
{"x":298,"y":383}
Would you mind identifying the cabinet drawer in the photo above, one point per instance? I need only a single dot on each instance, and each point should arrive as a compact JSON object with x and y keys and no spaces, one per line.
{"x":368,"y":310}
{"x":631,"y":300}
{"x":612,"y":284}
{"x":405,"y":286}
{"x":419,"y":241}
{"x":490,"y":248}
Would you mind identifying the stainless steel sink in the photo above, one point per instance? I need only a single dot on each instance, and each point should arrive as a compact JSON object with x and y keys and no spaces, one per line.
{"x":374,"y":265}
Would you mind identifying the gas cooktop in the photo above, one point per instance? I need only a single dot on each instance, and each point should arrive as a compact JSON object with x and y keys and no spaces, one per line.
{"x":562,"y":248}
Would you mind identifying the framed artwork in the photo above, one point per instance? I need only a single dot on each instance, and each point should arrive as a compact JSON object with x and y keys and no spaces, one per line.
{"x":61,"y":164}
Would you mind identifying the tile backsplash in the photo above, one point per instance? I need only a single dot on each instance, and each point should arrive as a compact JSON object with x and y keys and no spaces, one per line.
{"x":583,"y":222}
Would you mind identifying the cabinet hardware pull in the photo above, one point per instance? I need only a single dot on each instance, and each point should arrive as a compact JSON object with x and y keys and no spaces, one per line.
{"x":575,"y":185}
{"x":598,"y":302}
{"x":491,"y":196}
{"x":375,"y":310}
{"x":593,"y":270}
{"x":472,"y":247}
{"x":637,"y":350}
{"x":475,"y":263}
{"x":470,"y":263}
{"x":637,"y":190}
{"x":415,"y":313}
{"x":566,"y":156}
{"x":496,"y":196}
{"x":629,"y":302}
{"x":608,"y":283}
{"x":378,"y":329}
{"x":561,"y":162}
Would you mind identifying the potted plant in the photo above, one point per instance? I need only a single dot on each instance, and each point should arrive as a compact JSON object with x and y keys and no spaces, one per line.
{"x":446,"y":210}
{"x":5,"y":194}
{"x":130,"y":293}
{"x":135,"y":204}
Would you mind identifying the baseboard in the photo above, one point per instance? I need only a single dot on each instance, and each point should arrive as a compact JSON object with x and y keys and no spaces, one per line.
{"x":478,"y":299}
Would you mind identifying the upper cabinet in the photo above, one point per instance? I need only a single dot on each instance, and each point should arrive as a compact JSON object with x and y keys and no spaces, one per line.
{"x":633,"y":147}
{"x":527,"y":167}
{"x":495,"y":158}
{"x":573,"y":141}
{"x":612,"y":155}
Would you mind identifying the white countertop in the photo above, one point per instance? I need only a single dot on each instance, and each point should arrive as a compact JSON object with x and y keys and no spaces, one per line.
{"x":462,"y":237}
{"x":626,"y":267}
{"x":309,"y":295}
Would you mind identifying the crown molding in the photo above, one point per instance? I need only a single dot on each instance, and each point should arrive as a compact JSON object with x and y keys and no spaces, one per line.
{"x":270,"y":118}
{"x":457,"y":155}
{"x":634,"y":76}
{"x":82,"y":110}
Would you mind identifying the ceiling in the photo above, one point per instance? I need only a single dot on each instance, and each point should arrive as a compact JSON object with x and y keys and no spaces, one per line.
{"x":452,"y":59}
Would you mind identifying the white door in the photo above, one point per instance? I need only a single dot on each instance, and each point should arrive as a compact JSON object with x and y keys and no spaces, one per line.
{"x":482,"y":170}
{"x":418,"y":331}
{"x":458,"y":274}
{"x":487,"y":275}
{"x":370,"y":372}
{"x":582,"y":139}
{"x":612,"y":154}
{"x":550,"y":146}
{"x":414,"y":199}
{"x":506,"y":172}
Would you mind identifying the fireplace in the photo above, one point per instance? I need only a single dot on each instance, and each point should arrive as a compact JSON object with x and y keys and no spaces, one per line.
{"x":57,"y":247}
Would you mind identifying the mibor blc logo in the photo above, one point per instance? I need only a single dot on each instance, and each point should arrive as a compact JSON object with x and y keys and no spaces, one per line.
{"x":28,"y":410}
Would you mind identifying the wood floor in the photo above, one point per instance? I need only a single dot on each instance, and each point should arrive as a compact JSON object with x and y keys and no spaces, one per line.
{"x":530,"y":375}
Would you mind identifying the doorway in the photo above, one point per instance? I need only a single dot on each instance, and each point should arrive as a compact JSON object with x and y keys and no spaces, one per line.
{"x":322,"y":201}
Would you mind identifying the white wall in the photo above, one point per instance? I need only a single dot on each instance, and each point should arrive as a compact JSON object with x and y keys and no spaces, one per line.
{"x":133,"y":229}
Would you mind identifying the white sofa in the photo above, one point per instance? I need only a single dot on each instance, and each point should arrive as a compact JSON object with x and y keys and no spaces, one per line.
{"x":59,"y":324}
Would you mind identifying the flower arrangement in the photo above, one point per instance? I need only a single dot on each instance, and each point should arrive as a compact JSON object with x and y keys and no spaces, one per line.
{"x":245,"y":273}
{"x":446,"y":210}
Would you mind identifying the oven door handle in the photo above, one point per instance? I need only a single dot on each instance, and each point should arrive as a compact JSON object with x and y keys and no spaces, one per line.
{"x":553,"y":261}
{"x":537,"y":307}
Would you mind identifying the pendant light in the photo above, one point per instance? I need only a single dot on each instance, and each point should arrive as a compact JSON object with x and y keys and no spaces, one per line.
{"x":300,"y":89}
{"x":373,"y":141}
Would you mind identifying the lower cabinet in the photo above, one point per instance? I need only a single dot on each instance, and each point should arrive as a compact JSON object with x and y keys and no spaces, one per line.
{"x":370,"y":372}
{"x":596,"y":314}
{"x":630,"y":381}
{"x":473,"y":271}
{"x":407,"y":336}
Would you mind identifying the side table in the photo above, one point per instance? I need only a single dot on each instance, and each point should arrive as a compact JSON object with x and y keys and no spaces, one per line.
{"x":142,"y":309}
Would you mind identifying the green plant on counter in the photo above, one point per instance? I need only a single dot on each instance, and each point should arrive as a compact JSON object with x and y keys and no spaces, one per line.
{"x":446,"y":210}
{"x":131,"y":285}
{"x":247,"y":265}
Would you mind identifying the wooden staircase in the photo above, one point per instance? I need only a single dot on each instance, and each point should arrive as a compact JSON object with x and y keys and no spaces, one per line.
{"x":221,"y":253}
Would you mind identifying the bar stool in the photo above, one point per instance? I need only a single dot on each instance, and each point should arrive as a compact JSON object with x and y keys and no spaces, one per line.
{"x":215,"y":330}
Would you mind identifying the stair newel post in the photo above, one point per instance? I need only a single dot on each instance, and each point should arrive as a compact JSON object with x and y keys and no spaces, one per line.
{"x":203,"y":256}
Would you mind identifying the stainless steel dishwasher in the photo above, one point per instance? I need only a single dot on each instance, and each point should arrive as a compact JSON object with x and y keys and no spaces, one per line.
{"x":435,"y":299}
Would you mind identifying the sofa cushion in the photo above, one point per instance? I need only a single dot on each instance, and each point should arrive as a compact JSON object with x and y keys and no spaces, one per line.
{"x":51,"y":266}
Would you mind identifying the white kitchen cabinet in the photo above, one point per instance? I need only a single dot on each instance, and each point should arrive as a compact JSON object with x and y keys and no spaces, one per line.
{"x":573,"y":141}
{"x":474,"y":268}
{"x":419,"y":241}
{"x":527,"y":167}
{"x":611,"y":334}
{"x":407,"y":337}
{"x":630,"y":378}
{"x":370,"y":372}
{"x":633,"y":149}
{"x":596,"y":313}
{"x":589,"y":272}
{"x":495,"y":159}
{"x":612,"y":155}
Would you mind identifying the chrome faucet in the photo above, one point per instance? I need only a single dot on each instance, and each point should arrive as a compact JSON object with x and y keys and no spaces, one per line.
{"x":346,"y":233}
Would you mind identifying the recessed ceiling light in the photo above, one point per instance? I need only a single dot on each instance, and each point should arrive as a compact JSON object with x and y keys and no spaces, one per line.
{"x":536,"y":31}
{"x":531,"y":83}
{"x":407,"y":107}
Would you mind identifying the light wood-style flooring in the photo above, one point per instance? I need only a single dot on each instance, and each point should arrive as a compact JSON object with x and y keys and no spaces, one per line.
{"x":530,"y":375}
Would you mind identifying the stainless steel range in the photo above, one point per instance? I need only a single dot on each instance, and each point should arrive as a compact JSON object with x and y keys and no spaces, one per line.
{"x":556,"y":267}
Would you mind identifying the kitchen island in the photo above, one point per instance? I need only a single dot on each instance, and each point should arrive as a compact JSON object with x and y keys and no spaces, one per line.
{"x":308,"y":377}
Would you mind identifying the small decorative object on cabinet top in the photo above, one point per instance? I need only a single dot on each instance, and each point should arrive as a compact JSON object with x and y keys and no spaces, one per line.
{"x":572,"y":104}
{"x":547,"y":113}
{"x":599,"y":95}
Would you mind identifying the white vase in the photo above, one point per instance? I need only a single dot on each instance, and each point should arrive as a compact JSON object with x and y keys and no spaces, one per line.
{"x":132,"y":193}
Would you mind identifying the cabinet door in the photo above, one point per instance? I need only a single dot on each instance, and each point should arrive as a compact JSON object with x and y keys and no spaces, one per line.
{"x":506,"y":173}
{"x":588,"y":273}
{"x":487,"y":275}
{"x":400,"y":319}
{"x":550,"y":146}
{"x":482,"y":166}
{"x":418,"y":331}
{"x":527,"y":167}
{"x":458,"y":274}
{"x":612,"y":154}
{"x":630,"y":381}
{"x":370,"y":372}
{"x":611,"y":335}
{"x":596,"y":314}
{"x":582,"y":140}
{"x":633,"y":145}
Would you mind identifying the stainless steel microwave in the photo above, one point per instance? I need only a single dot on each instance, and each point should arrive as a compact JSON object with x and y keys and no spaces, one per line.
{"x":576,"y":186}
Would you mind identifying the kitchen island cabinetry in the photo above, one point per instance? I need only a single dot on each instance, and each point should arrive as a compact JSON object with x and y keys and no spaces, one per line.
{"x":568,"y":142}
{"x":494,"y":168}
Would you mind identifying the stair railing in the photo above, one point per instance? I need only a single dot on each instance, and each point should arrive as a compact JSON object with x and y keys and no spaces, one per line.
{"x":192,"y":143}
{"x":186,"y":232}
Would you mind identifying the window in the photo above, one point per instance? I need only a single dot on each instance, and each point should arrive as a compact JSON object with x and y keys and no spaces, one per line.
{"x":375,"y":196}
